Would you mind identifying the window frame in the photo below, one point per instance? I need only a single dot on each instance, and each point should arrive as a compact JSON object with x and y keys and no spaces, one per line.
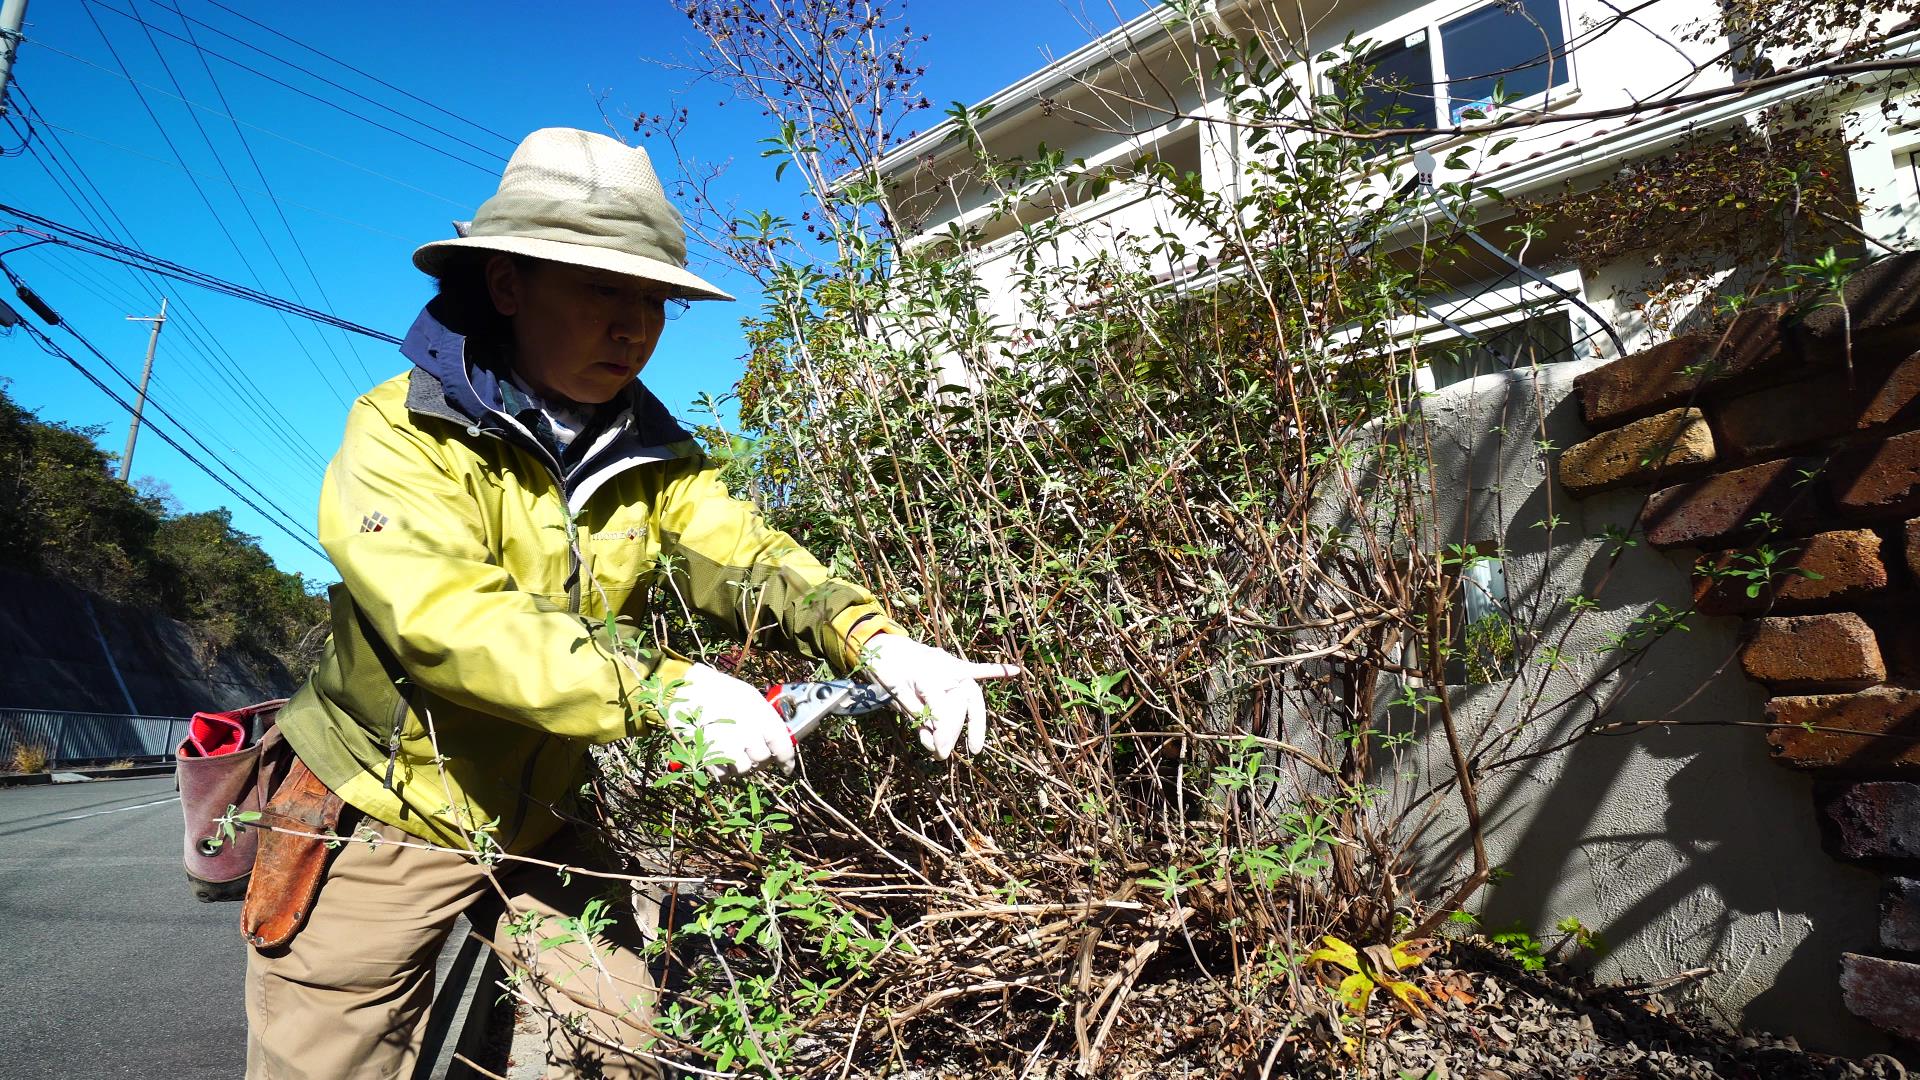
{"x":1426,"y":23}
{"x":1492,"y":311}
{"x":1427,"y":378}
{"x":1904,"y":154}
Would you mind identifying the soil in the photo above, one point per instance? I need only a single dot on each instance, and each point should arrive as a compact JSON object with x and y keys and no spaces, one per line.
{"x":1491,"y":1020}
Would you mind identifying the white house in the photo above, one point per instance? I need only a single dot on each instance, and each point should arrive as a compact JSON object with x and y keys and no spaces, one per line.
{"x":1688,"y":855}
{"x":1599,"y":90}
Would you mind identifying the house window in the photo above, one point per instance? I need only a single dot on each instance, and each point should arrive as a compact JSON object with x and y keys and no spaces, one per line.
{"x":1398,"y":91}
{"x":1516,"y":44}
{"x":1543,"y":339}
{"x":1899,"y":222}
{"x":1440,"y":72}
{"x":1181,"y":150}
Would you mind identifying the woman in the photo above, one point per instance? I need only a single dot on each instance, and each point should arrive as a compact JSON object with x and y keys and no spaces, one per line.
{"x":487,"y":510}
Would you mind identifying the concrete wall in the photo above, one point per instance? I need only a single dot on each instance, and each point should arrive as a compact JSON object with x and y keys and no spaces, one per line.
{"x":63,"y":650}
{"x":1685,"y":846}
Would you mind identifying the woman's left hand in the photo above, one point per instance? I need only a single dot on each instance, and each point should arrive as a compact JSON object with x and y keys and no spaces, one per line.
{"x":935,"y":687}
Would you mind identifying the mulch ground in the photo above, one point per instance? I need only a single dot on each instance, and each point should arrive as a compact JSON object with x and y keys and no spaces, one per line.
{"x":1491,"y":1021}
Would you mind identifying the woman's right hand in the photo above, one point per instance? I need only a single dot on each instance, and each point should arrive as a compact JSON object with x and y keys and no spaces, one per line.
{"x":740,"y":729}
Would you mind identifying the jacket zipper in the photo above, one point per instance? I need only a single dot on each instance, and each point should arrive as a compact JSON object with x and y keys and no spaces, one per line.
{"x":560,"y":483}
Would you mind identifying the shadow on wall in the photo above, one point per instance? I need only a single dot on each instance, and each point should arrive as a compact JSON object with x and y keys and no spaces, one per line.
{"x":68,"y":651}
{"x":1681,"y":842}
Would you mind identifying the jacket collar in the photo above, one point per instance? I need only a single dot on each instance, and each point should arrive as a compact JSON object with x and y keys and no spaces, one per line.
{"x":447,"y":385}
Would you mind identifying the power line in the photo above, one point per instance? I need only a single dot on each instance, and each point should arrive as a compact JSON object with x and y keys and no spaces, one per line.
{"x":123,"y":76}
{"x":189,"y":22}
{"x":121,"y":375}
{"x":49,"y":344}
{"x":488,"y":169}
{"x":345,"y":376}
{"x":54,"y":348}
{"x":509,"y":140}
{"x":87,"y":6}
{"x":231,"y":371}
{"x":298,"y":248}
{"x":183,"y":428}
{"x":83,"y":276}
{"x":171,"y":164}
{"x":83,"y":241}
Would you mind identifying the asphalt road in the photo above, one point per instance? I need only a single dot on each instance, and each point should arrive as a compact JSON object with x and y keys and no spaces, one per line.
{"x":111,"y":967}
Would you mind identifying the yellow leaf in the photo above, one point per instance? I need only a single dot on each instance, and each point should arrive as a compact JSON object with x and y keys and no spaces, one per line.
{"x":1410,"y":953}
{"x":1353,"y":992}
{"x":1335,"y":951}
{"x":1407,"y":994}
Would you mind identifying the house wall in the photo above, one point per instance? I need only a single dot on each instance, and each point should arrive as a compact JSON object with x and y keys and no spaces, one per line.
{"x":1634,"y":59}
{"x":1683,"y":845}
{"x":1754,"y":811}
{"x":1802,"y":456}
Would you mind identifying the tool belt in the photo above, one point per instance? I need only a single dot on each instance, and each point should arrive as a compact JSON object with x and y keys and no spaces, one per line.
{"x":288,"y":869}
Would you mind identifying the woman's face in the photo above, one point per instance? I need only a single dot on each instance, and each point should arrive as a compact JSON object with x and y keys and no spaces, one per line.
{"x":579,"y":334}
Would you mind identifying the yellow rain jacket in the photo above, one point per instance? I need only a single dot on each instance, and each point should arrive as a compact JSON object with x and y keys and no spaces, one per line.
{"x":478,"y":569}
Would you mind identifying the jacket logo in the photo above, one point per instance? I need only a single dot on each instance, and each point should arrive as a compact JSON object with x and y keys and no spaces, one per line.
{"x":620,"y":534}
{"x":373,"y":522}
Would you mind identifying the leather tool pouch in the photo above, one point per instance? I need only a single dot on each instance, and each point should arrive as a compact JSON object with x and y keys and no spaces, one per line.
{"x":228,"y":760}
{"x":288,"y":870}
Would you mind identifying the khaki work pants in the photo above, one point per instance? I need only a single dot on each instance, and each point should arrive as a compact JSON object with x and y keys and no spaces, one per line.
{"x":349,"y":996}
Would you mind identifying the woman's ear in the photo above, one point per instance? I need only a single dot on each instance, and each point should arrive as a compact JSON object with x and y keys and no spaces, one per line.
{"x":503,"y":284}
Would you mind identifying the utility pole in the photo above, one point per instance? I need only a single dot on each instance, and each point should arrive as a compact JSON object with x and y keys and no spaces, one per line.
{"x":13,"y":15}
{"x":146,"y":373}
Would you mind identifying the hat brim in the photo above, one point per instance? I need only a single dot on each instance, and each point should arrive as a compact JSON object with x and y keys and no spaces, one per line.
{"x":430,"y":258}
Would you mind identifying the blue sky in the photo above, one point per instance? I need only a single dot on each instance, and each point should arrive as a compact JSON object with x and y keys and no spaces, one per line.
{"x":356,"y":199}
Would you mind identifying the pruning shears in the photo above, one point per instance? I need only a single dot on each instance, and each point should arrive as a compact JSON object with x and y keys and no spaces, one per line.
{"x":804,"y":704}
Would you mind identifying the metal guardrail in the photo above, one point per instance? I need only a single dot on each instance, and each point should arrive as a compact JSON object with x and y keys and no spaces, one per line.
{"x":68,"y":737}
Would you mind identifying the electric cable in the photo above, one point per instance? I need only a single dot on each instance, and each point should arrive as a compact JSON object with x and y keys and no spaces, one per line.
{"x":178,"y":424}
{"x":164,"y":382}
{"x":210,"y":349}
{"x":83,"y":241}
{"x":488,"y":169}
{"x":288,"y":139}
{"x":26,"y":137}
{"x":189,"y":22}
{"x":53,"y":347}
{"x":508,"y":139}
{"x":87,"y":6}
{"x":298,"y":247}
{"x":219,"y":160}
{"x":269,"y":195}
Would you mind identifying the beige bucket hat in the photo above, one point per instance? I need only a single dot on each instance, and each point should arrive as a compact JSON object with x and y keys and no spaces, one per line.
{"x":577,"y":197}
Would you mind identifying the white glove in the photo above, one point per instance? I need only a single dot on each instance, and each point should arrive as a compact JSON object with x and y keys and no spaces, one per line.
{"x":734,"y":718}
{"x":935,"y":687}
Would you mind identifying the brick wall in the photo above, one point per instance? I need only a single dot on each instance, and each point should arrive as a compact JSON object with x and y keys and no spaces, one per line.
{"x":1795,"y":476}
